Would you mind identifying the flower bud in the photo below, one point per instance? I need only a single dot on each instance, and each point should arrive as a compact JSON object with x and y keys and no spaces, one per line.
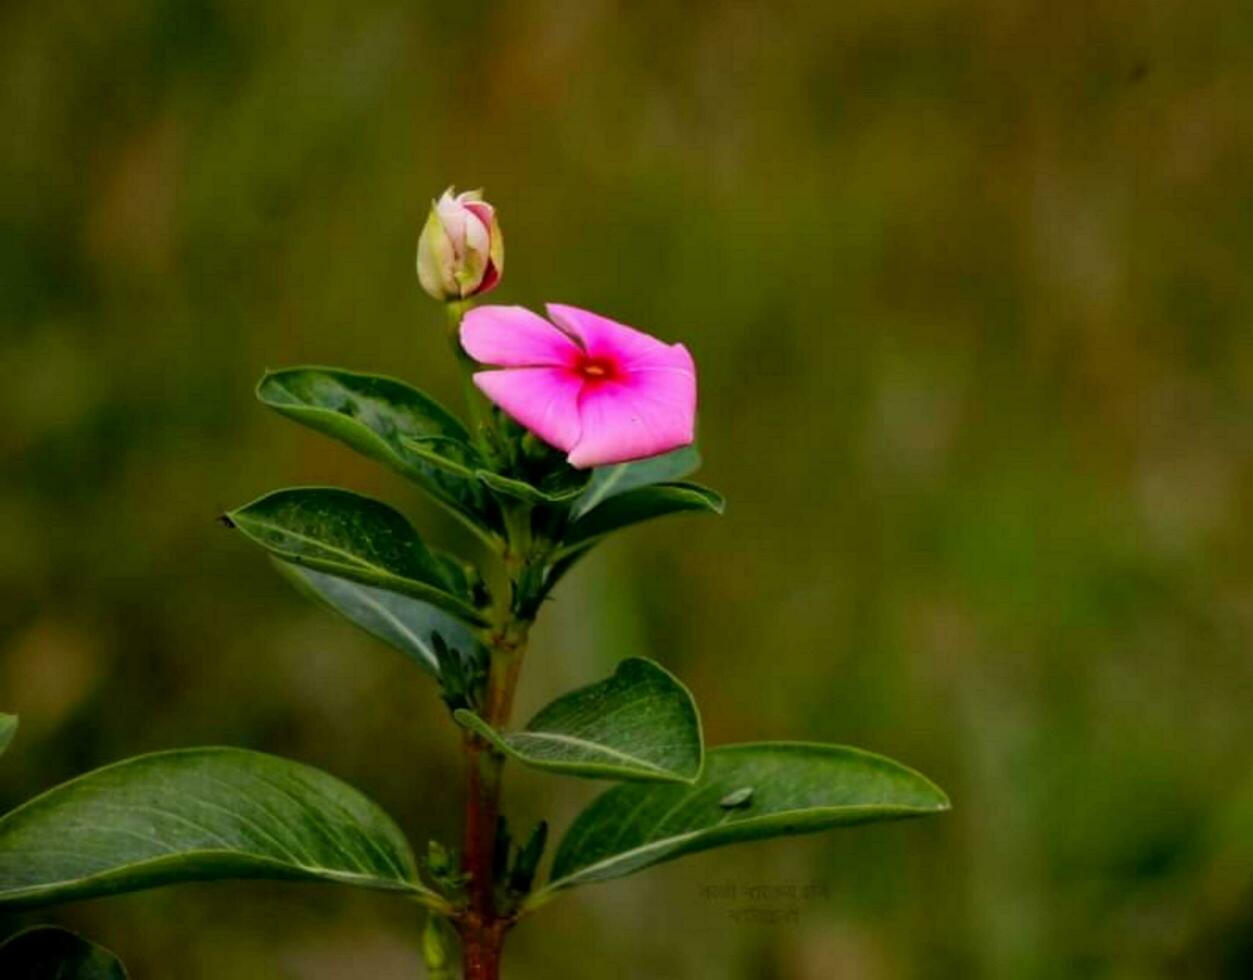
{"x":438,"y":944}
{"x":460,"y":253}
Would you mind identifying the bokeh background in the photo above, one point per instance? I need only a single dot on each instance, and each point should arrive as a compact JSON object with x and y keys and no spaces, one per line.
{"x":968,"y":282}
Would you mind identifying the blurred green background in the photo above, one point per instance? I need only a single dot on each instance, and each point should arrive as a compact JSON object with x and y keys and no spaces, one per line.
{"x":968,"y":282}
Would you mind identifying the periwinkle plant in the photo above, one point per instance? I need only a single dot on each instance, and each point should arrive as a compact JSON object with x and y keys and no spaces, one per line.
{"x":581,"y":427}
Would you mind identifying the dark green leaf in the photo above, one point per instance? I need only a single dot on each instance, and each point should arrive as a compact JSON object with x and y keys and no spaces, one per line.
{"x":640,"y":724}
{"x":609,"y":481}
{"x":407,"y":624}
{"x":522,"y":874}
{"x":354,"y":537}
{"x":435,"y":452}
{"x":635,"y":506}
{"x":198,"y":814}
{"x":777,"y":788}
{"x":8,"y":728}
{"x":49,"y":953}
{"x":389,"y":421}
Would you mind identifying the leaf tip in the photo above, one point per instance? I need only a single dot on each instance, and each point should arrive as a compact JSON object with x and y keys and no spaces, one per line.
{"x":270,"y":391}
{"x":938,"y":801}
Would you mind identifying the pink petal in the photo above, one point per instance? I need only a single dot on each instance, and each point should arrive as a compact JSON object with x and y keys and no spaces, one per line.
{"x":542,"y":399}
{"x":478,"y":234}
{"x":651,"y":412}
{"x":480,"y":209}
{"x":603,"y":337}
{"x":453,"y":217}
{"x":513,"y":336}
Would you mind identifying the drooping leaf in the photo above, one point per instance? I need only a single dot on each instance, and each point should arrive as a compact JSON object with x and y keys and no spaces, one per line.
{"x":635,"y":506}
{"x":198,"y":814}
{"x":50,"y":953}
{"x":746,"y":792}
{"x":639,"y":724}
{"x":8,"y":728}
{"x":406,"y":623}
{"x":391,"y":422}
{"x":354,"y":537}
{"x":609,"y":481}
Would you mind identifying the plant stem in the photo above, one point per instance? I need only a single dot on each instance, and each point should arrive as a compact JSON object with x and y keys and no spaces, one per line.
{"x":480,"y":418}
{"x":482,"y":926}
{"x":482,"y":934}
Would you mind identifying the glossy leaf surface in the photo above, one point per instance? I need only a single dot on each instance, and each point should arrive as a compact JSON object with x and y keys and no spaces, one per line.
{"x":640,"y":724}
{"x":354,"y":537}
{"x":391,"y":422}
{"x":609,"y":481}
{"x":746,"y":792}
{"x":405,"y":623}
{"x":636,"y":506}
{"x":197,"y":814}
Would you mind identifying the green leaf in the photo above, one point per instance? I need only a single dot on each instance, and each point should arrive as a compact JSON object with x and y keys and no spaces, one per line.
{"x":355,"y":537}
{"x":640,"y":724}
{"x":393,"y":423}
{"x":50,"y":953}
{"x":521,"y":490}
{"x":198,"y":814}
{"x":407,"y":624}
{"x":609,"y":481}
{"x":556,"y":572}
{"x":635,"y":506}
{"x":8,"y":728}
{"x":429,"y":451}
{"x":746,"y":792}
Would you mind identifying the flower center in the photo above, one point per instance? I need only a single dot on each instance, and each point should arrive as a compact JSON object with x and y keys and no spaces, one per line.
{"x":597,"y":369}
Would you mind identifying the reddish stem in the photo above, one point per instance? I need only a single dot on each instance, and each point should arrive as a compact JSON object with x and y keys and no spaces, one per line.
{"x":482,"y":926}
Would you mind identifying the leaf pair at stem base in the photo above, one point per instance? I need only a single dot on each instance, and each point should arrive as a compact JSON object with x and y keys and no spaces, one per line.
{"x":199,"y":814}
{"x":641,"y":727}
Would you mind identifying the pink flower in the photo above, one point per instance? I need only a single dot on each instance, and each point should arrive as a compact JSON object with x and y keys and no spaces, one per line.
{"x":596,"y":389}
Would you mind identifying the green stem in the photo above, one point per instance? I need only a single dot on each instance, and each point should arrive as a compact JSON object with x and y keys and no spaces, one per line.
{"x":476,"y":405}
